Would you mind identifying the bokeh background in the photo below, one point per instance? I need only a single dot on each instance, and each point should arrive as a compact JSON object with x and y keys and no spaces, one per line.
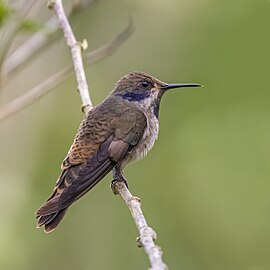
{"x":205,"y":187}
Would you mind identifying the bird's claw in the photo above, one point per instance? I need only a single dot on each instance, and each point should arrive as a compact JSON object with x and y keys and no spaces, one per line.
{"x":113,"y":186}
{"x":114,"y":189}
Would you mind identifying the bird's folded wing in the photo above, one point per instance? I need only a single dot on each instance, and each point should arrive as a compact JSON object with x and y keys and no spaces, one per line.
{"x":95,"y":169}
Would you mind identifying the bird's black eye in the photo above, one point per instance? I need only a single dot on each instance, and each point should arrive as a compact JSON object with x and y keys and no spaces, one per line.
{"x":145,"y":84}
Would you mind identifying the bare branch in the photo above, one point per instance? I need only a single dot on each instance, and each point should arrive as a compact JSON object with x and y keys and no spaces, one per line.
{"x":76,"y":48}
{"x":38,"y":40}
{"x":31,"y":96}
{"x":14,"y":31}
{"x":28,"y":48}
{"x":111,"y":47}
{"x":147,"y":234}
{"x":49,"y":84}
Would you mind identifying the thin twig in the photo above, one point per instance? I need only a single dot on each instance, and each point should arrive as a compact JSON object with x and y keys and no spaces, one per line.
{"x":14,"y":30}
{"x":76,"y":49}
{"x":147,"y":235}
{"x":29,"y":48}
{"x":32,"y":45}
{"x":49,"y":84}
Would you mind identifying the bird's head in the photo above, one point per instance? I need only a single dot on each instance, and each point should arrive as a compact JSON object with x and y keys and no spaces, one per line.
{"x":144,"y":90}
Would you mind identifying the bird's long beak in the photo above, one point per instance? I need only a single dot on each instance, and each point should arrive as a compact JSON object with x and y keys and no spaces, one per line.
{"x":178,"y":85}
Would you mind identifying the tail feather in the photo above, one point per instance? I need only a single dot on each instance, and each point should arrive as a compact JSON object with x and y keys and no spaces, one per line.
{"x":51,"y":206}
{"x":51,"y":221}
{"x":42,"y":220}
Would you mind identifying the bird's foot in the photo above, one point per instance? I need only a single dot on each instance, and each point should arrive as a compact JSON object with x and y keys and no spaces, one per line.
{"x":118,"y":177}
{"x":115,"y":181}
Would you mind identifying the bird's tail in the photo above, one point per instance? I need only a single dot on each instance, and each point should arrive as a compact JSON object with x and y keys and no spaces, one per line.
{"x":51,"y":221}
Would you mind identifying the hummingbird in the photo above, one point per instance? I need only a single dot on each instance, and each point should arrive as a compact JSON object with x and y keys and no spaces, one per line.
{"x":121,"y":129}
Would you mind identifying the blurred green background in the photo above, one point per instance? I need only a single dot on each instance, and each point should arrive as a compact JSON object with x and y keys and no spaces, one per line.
{"x":205,"y":186}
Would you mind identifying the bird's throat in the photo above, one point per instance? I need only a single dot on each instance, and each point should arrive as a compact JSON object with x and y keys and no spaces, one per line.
{"x":156,"y":105}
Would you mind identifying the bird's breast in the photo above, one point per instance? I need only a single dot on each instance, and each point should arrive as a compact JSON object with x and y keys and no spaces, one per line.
{"x":146,"y":142}
{"x":149,"y":137}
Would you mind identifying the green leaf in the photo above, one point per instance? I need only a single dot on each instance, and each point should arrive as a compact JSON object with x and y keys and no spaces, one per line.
{"x":4,"y":12}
